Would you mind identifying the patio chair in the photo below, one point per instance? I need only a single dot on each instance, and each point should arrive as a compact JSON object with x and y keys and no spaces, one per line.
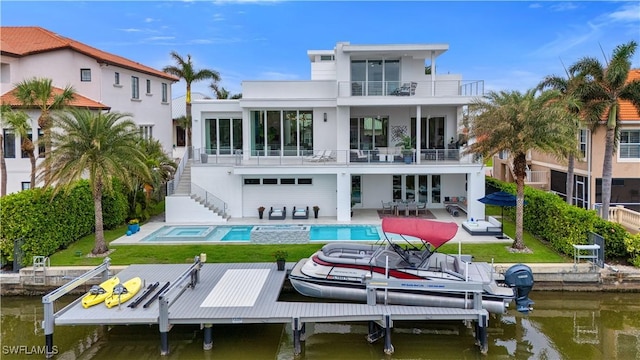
{"x":359,"y":156}
{"x":421,"y":206}
{"x":387,"y":206}
{"x":411,"y":206}
{"x":300,"y":212}
{"x":407,"y":89}
{"x":320,"y":155}
{"x":278,"y":214}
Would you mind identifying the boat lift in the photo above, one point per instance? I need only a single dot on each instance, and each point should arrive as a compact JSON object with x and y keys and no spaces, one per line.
{"x":48,"y":323}
{"x":379,"y":329}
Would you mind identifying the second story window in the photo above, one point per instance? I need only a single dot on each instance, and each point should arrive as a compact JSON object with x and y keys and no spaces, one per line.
{"x":85,"y":74}
{"x":9,"y":143}
{"x":30,"y":137}
{"x":629,"y":144}
{"x":116,"y":79}
{"x":165,"y":91}
{"x":135,"y":87}
{"x":148,"y":86}
{"x":146,"y":131}
{"x":40,"y":143}
{"x":582,"y":143}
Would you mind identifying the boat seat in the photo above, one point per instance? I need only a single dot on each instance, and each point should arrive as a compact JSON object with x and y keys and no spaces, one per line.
{"x":394,"y":259}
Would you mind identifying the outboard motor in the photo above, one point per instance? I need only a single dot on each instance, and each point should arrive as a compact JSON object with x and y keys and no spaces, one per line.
{"x":520,"y":277}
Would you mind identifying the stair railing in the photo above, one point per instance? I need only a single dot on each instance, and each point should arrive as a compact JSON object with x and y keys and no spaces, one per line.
{"x":209,"y":199}
{"x":172,"y":184}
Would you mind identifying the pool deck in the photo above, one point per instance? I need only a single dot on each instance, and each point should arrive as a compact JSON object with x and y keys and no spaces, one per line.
{"x":360,"y":217}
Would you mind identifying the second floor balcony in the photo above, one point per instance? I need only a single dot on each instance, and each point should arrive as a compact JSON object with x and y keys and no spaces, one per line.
{"x":329,"y":157}
{"x":437,"y":88}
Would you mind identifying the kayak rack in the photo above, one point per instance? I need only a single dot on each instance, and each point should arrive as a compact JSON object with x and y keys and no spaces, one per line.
{"x":48,"y":323}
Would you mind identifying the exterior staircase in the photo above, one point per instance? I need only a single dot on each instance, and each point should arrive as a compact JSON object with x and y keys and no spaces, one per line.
{"x":205,"y":201}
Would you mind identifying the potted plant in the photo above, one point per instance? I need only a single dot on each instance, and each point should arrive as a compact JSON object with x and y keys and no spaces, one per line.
{"x":134,"y":226}
{"x":315,"y":211}
{"x":281,"y":258}
{"x":261,"y":211}
{"x":407,"y":149}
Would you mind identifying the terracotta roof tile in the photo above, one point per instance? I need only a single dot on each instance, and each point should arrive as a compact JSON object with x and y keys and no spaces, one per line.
{"x":627,"y":110}
{"x":26,"y":40}
{"x":9,"y":98}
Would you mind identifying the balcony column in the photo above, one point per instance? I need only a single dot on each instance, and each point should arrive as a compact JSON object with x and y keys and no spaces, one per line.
{"x":433,"y":73}
{"x":418,"y":132}
{"x":343,"y":195}
{"x":475,"y":191}
{"x":246,"y":134}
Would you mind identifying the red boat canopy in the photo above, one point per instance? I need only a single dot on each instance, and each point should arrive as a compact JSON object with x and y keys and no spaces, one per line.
{"x":435,"y":233}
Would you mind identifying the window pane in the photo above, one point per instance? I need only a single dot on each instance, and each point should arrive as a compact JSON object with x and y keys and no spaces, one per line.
{"x":237,"y":134}
{"x":257,"y":133}
{"x":211,"y":136}
{"x":164,"y":92}
{"x":273,"y":132}
{"x":225,"y":136}
{"x":374,"y":80}
{"x":25,"y":154}
{"x":40,"y":143}
{"x":9,"y":143}
{"x":290,"y":125}
{"x":116,"y":79}
{"x":358,"y":77}
{"x":353,"y":133}
{"x":148,"y":86}
{"x":391,"y":75}
{"x":135,"y":87}
{"x":85,"y":74}
{"x":305,"y":118}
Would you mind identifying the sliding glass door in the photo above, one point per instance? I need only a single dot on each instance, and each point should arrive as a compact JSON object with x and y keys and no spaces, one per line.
{"x":281,"y":132}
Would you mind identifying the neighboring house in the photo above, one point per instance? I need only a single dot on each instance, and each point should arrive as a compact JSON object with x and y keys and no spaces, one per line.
{"x":332,"y":141}
{"x":102,"y":81}
{"x":547,"y":173}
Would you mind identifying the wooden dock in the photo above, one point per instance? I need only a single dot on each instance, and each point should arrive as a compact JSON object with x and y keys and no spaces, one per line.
{"x":238,"y":293}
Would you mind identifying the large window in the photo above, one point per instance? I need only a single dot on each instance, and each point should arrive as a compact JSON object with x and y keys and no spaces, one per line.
{"x":223,"y":136}
{"x":630,"y":144}
{"x":9,"y":143}
{"x":135,"y":87}
{"x":281,"y":132}
{"x":582,"y":142}
{"x":374,"y":77}
{"x":368,"y":133}
{"x":431,"y":132}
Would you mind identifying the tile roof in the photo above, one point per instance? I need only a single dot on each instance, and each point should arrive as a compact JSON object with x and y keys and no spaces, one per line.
{"x":9,"y":98}
{"x":627,"y":110}
{"x":22,"y":41}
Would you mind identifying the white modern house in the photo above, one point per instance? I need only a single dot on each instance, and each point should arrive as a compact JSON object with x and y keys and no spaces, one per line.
{"x":332,"y":141}
{"x":102,"y":81}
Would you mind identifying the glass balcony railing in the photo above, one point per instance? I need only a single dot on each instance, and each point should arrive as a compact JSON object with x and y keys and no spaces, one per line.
{"x":411,"y":88}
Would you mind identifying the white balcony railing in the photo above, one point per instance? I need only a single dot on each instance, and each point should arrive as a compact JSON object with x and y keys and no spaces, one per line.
{"x":625,"y":217}
{"x":276,"y":157}
{"x":411,"y":88}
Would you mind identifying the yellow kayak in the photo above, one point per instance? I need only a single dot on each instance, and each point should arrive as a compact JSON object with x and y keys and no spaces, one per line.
{"x":98,"y":293}
{"x":123,"y":292}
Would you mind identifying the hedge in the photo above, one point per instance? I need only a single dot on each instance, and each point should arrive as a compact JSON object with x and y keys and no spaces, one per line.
{"x":48,"y":223}
{"x":550,"y":218}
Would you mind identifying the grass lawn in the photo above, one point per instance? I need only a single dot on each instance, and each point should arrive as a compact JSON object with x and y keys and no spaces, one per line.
{"x":76,"y":253}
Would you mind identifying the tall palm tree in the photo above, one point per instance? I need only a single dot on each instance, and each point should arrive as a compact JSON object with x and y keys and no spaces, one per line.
{"x":99,"y":146}
{"x":519,"y":122}
{"x":607,"y":85}
{"x":39,"y":92}
{"x":222,"y":93}
{"x":20,"y":122}
{"x":184,"y":69}
{"x":568,"y":88}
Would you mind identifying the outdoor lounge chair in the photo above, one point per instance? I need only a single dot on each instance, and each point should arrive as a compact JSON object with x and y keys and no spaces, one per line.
{"x":387,"y":206}
{"x":300,"y":213}
{"x":278,"y":214}
{"x":320,"y":155}
{"x":407,"y":89}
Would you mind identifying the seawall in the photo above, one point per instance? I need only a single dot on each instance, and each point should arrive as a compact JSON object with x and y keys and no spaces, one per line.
{"x":547,"y":277}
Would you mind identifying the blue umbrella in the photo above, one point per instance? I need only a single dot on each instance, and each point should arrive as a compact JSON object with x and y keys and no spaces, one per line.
{"x":501,"y":199}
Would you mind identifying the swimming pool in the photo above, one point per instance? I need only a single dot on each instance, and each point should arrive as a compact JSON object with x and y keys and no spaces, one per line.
{"x":278,"y":233}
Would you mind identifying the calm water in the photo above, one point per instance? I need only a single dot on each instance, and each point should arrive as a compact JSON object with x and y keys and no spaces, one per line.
{"x":562,"y":326}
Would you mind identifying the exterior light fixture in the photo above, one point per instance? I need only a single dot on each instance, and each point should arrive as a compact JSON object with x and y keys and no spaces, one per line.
{"x":325,"y":117}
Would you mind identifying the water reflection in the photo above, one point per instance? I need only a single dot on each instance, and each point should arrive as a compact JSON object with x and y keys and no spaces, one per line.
{"x":562,"y":326}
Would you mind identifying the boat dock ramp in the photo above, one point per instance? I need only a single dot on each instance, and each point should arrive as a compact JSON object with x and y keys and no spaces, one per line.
{"x":239,"y":293}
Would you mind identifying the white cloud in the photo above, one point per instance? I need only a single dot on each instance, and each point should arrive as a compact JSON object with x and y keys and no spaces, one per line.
{"x":563,"y":6}
{"x":218,"y":17}
{"x":148,"y":20}
{"x":627,"y":13}
{"x":131,"y":30}
{"x":160,"y":38}
{"x":535,"y":6}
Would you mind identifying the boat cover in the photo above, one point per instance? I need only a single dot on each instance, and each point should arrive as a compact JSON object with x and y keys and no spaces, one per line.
{"x":435,"y":233}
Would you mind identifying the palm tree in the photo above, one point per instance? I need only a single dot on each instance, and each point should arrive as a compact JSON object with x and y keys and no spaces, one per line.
{"x":185,"y":70}
{"x":605,"y":87}
{"x":39,"y":92}
{"x":222,"y":93}
{"x":100,"y":146}
{"x":20,"y":122}
{"x":568,"y":88}
{"x":516,"y":122}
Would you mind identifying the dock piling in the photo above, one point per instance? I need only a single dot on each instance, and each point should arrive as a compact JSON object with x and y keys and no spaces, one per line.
{"x":388,"y":347}
{"x":208,"y":337}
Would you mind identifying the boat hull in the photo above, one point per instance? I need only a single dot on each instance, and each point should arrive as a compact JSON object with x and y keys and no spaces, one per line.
{"x":355,"y":290}
{"x":107,"y":286}
{"x":132,"y":285}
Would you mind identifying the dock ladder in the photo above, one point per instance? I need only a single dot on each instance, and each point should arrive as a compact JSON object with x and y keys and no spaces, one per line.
{"x":40,"y":265}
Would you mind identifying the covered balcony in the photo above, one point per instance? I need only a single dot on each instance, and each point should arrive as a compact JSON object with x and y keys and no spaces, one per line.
{"x":439,"y":88}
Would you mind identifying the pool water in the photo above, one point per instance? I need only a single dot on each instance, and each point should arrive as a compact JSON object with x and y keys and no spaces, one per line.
{"x":242,"y":233}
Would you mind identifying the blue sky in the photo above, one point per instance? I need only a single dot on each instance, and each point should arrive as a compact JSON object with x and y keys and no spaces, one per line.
{"x":509,"y":45}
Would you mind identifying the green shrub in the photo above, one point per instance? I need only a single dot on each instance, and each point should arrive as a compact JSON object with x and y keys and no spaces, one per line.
{"x":632,"y":243}
{"x":47,"y":223}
